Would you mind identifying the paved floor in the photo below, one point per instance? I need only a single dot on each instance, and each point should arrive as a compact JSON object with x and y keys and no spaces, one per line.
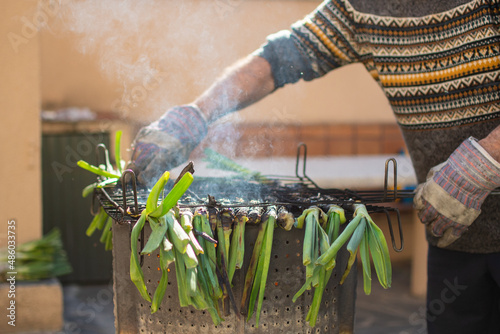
{"x":89,"y":309}
{"x":391,"y":311}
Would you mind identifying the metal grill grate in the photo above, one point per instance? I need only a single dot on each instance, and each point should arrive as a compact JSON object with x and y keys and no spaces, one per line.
{"x":293,"y":194}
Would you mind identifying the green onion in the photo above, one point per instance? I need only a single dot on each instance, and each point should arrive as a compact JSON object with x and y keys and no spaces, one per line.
{"x":378,"y":248}
{"x":264,"y":258}
{"x":352,"y":247}
{"x":237,"y":248}
{"x":96,"y":170}
{"x":209,"y":247}
{"x":312,"y":314}
{"x":157,"y":235}
{"x":267,"y":258}
{"x":97,"y":185}
{"x":176,"y":233}
{"x":339,"y":242}
{"x":106,"y":231}
{"x":306,"y":286}
{"x":97,"y":222}
{"x":205,"y":290}
{"x":187,"y":225}
{"x":190,"y":259}
{"x":118,"y":157}
{"x":154,"y":195}
{"x":380,"y":255}
{"x":206,"y":270}
{"x":251,"y":270}
{"x":173,"y":196}
{"x":180,"y":273}
{"x":109,"y":242}
{"x":364,"y":254}
{"x":166,"y":257}
{"x":136,"y":274}
{"x":257,"y":280}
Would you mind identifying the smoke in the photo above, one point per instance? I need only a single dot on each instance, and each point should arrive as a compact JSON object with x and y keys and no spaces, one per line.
{"x":141,"y":44}
{"x":113,"y":30}
{"x":144,"y":42}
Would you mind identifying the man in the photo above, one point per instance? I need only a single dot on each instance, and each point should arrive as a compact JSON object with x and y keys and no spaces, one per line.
{"x":438,"y":62}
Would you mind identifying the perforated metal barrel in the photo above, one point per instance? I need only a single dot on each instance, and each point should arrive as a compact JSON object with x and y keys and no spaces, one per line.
{"x":279,"y":313}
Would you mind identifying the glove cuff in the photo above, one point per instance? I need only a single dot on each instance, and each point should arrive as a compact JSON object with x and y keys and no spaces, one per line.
{"x":469,"y":175}
{"x":288,"y":65}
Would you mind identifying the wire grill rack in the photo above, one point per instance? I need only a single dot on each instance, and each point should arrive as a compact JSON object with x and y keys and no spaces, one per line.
{"x":125,"y":201}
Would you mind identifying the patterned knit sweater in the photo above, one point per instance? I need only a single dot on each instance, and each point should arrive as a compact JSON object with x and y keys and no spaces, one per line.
{"x":440,"y":73}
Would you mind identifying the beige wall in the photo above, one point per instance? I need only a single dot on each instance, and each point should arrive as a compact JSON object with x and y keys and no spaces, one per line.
{"x":20,"y":195}
{"x":89,"y":61}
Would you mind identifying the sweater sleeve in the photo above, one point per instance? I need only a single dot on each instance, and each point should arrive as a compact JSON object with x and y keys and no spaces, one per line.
{"x":321,"y":42}
{"x":288,"y":64}
{"x":327,"y":37}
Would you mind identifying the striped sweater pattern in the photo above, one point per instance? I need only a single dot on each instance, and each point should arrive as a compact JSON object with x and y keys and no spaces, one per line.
{"x":437,"y":71}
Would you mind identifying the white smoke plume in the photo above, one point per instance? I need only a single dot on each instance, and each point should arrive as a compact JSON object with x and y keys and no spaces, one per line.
{"x":134,"y":41}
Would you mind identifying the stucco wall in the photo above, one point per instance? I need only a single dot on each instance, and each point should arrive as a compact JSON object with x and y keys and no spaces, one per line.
{"x":20,"y":176}
{"x":140,"y":60}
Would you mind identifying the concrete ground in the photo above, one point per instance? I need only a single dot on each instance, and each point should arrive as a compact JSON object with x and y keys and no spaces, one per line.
{"x":89,"y":309}
{"x":391,"y":311}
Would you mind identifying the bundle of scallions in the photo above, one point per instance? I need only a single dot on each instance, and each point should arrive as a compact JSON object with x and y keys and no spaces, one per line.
{"x":35,"y":260}
{"x":108,"y":175}
{"x":322,"y":242}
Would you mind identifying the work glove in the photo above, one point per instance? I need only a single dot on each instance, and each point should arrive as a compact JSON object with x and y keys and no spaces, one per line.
{"x":451,"y":198}
{"x":167,"y":142}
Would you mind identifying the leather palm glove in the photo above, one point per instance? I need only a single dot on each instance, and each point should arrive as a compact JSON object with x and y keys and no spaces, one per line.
{"x":451,"y":198}
{"x":167,"y":142}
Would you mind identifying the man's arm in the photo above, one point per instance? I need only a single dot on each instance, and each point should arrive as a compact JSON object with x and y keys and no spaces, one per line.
{"x":492,"y":143}
{"x":242,"y":84}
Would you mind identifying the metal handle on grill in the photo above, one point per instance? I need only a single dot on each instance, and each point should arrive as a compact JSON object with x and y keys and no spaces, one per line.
{"x":134,"y":190}
{"x":386,"y":210}
{"x":395,"y":177}
{"x":304,"y":161}
{"x":102,"y":147}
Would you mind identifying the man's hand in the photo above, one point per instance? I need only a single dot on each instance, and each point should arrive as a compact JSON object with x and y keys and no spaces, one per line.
{"x":451,"y":198}
{"x":167,"y":142}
